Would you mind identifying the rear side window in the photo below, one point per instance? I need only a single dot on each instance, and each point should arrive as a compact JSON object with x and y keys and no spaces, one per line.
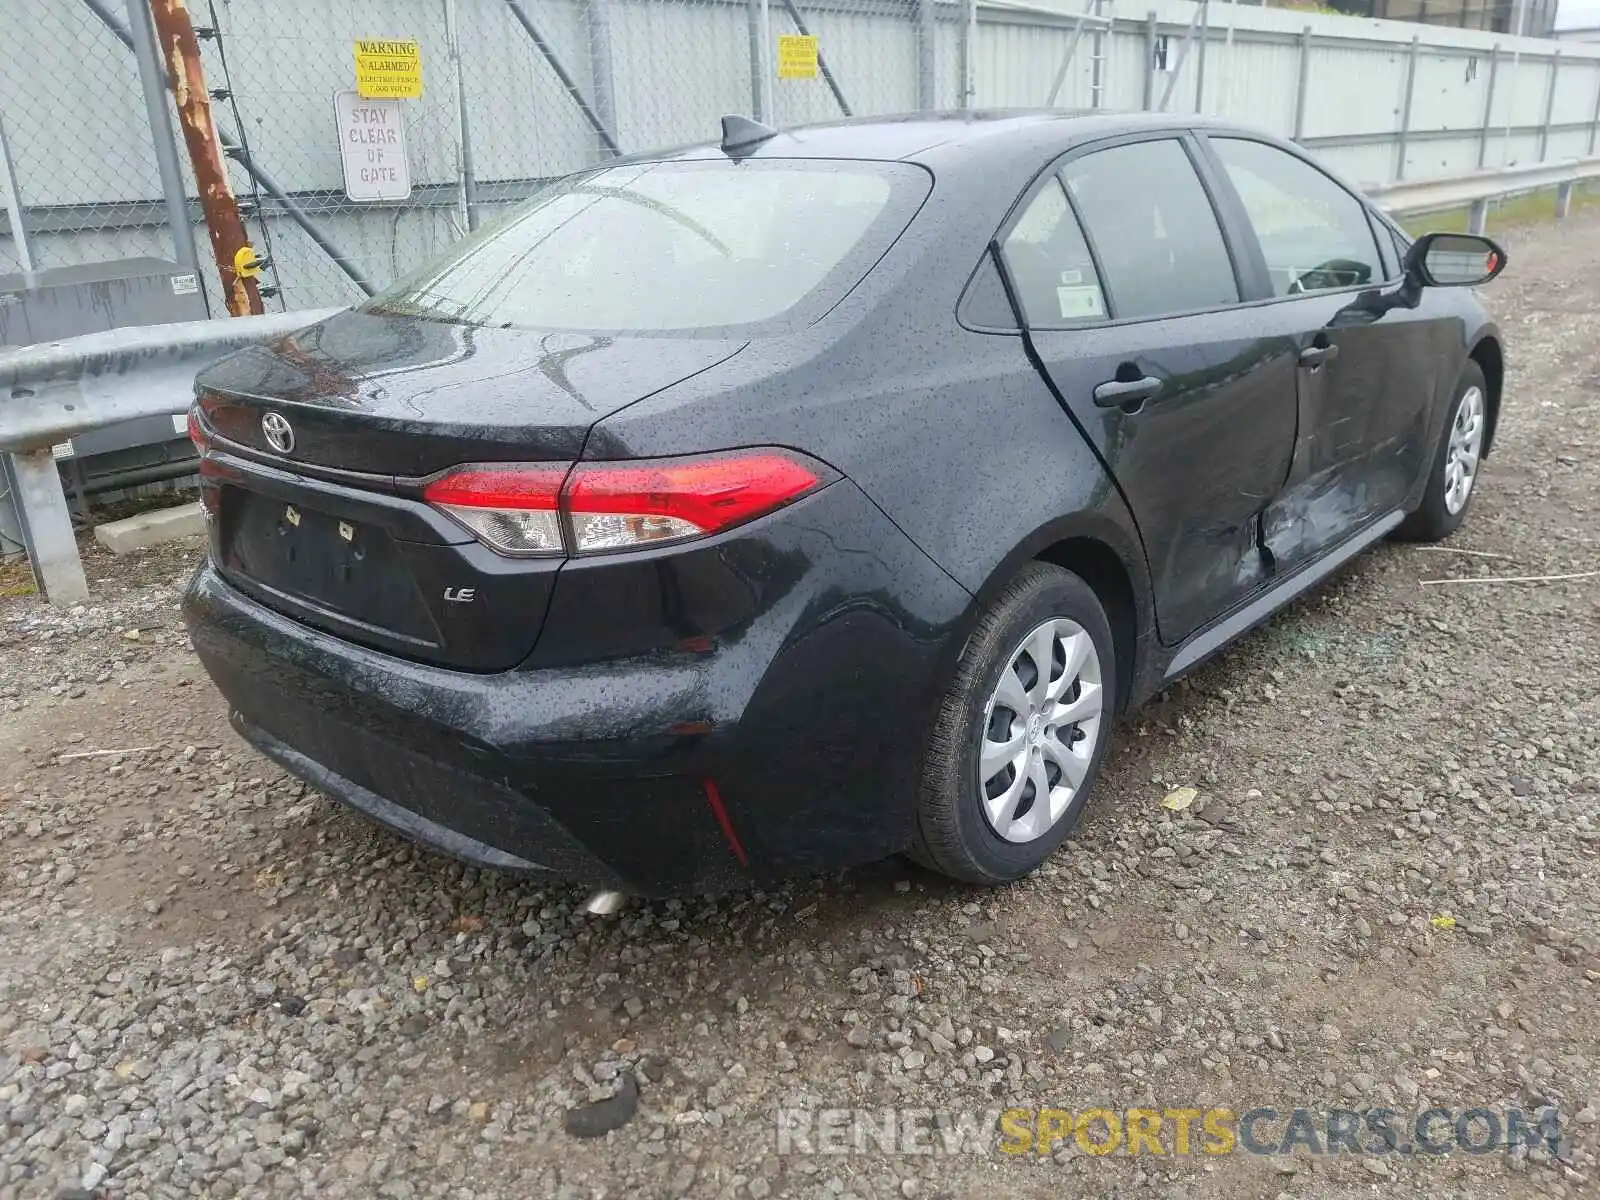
{"x":1314,"y":234}
{"x":676,"y":247}
{"x":1050,"y":263}
{"x":1153,"y":229}
{"x":984,"y":305}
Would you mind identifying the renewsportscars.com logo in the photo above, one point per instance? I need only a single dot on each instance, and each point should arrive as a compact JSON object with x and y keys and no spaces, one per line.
{"x":1167,"y":1132}
{"x":1184,"y":1131}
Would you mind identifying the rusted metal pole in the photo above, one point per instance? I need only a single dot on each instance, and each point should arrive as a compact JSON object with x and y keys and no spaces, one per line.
{"x":229,"y":244}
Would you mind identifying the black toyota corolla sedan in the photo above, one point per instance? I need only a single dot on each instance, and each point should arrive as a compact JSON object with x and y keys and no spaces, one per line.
{"x":784,"y":503}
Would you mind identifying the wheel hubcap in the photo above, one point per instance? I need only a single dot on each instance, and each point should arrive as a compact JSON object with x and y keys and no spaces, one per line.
{"x":1040,"y":729}
{"x":1466,"y":443}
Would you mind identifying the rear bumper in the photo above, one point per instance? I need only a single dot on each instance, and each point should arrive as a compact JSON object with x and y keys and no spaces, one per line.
{"x":791,"y":742}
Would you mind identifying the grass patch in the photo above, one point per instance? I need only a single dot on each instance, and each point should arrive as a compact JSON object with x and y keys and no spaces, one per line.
{"x":1516,"y":210}
{"x":16,"y":577}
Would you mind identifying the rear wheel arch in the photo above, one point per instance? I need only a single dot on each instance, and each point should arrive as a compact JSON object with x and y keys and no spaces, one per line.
{"x":1488,"y":353}
{"x":1103,"y":569}
{"x":1101,"y":545}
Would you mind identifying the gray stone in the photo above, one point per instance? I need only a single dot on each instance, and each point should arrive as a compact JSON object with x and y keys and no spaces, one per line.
{"x":148,"y":529}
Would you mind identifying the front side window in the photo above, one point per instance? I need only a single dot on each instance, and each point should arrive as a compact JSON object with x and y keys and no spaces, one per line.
{"x":1402,"y":246}
{"x":1314,"y":234}
{"x":675,"y":247}
{"x":1050,"y":263}
{"x":1153,"y":229}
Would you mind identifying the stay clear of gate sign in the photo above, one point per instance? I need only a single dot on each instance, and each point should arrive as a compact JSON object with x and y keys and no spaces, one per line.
{"x":372,"y":146}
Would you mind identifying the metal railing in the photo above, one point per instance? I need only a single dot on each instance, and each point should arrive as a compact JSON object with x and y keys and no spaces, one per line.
{"x":55,"y":390}
{"x":1475,"y":191}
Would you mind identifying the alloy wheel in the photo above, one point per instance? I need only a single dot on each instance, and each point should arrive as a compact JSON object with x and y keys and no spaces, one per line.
{"x":1040,"y":729}
{"x":1466,"y":444}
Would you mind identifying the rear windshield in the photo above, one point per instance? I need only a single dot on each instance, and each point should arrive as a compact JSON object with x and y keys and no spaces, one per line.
{"x":673,"y":247}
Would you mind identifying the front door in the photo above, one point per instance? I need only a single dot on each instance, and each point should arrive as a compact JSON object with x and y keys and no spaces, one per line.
{"x":1130,"y":297}
{"x":1367,"y":374}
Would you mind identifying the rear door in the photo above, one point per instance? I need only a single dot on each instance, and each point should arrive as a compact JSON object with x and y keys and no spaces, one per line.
{"x":1368,"y":371}
{"x":1130,"y":294}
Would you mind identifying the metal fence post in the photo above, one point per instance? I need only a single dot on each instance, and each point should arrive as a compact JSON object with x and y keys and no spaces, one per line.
{"x":1098,"y":61}
{"x":46,"y":526}
{"x":1149,"y":98}
{"x":602,"y":83}
{"x":760,"y":64}
{"x":1594,"y":121}
{"x":927,"y":95}
{"x":1200,"y":62}
{"x":469,"y":178}
{"x":969,"y":52}
{"x":1302,"y":78}
{"x":1549,"y":104}
{"x":826,"y":71}
{"x":608,"y":140}
{"x":1405,"y":109}
{"x":1175,"y":69}
{"x":1516,"y":82}
{"x":1488,"y":107}
{"x":1066,"y":58}
{"x":152,"y":81}
{"x":11,"y":197}
{"x":235,"y":151}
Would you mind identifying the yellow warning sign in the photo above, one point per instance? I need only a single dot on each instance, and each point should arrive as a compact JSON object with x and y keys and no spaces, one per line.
{"x":388,"y":70}
{"x":797,"y":56}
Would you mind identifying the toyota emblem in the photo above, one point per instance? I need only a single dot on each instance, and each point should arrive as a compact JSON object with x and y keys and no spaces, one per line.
{"x":279,"y":433}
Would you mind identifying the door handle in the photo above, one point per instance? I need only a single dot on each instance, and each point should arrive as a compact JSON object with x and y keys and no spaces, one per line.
{"x":1128,"y":395}
{"x":1315,"y":356}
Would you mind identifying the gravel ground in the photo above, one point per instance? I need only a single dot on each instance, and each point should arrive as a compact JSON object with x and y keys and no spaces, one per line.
{"x":214,"y":983}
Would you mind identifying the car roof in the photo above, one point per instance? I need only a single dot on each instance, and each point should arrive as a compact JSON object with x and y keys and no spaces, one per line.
{"x":950,"y":143}
{"x":917,"y":135}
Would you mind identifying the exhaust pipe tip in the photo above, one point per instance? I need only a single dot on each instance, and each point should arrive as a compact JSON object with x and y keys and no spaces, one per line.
{"x":605,"y":903}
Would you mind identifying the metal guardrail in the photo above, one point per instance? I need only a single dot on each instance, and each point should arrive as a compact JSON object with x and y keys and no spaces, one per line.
{"x":52,"y":391}
{"x":55,"y":390}
{"x":1474,"y":191}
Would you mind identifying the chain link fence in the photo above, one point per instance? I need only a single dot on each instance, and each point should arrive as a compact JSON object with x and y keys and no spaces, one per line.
{"x":283,"y":62}
{"x":514,"y":94}
{"x":517,"y":92}
{"x":76,"y":141}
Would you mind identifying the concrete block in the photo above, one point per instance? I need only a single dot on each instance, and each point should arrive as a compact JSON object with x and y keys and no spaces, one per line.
{"x":151,"y":528}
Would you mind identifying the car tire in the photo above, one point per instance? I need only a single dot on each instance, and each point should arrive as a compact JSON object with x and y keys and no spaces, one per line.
{"x":962,"y":827}
{"x":1445,"y":501}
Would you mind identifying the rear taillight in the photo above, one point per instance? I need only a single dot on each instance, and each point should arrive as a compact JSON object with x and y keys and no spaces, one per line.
{"x":197,"y":431}
{"x":612,"y":506}
{"x":603,"y":506}
{"x":511,"y":508}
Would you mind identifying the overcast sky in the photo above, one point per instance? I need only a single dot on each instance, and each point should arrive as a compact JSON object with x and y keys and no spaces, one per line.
{"x":1579,"y":14}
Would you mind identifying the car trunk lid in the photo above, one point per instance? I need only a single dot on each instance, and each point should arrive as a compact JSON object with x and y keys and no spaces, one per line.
{"x":408,"y":396}
{"x":321,"y":441}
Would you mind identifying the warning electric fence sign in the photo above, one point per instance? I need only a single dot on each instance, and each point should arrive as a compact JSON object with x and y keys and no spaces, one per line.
{"x":388,"y":70}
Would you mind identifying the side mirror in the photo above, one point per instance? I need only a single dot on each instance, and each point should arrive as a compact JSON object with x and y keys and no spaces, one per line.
{"x":1454,"y":260}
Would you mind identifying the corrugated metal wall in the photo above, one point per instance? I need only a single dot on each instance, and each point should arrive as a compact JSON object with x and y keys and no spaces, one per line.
{"x":76,"y":129}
